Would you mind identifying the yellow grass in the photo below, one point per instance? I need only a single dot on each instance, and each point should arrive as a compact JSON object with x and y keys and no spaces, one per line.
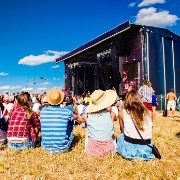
{"x":76,"y":164}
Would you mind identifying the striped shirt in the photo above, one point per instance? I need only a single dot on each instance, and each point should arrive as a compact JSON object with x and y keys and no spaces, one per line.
{"x":146,"y":93}
{"x":54,"y":125}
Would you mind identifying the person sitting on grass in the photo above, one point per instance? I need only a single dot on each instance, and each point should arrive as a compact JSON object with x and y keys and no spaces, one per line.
{"x":56,"y":130}
{"x":129,"y":143}
{"x":2,"y":141}
{"x":2,"y":137}
{"x":24,"y":124}
{"x":99,"y":134}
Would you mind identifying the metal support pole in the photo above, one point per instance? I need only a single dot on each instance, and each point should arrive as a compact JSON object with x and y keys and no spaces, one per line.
{"x":84,"y":79}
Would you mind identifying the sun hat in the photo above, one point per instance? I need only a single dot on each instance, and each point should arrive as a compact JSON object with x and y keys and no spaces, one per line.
{"x":55,"y":96}
{"x":101,"y":99}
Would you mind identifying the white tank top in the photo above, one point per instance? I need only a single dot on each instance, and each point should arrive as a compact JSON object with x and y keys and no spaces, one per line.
{"x":130,"y":130}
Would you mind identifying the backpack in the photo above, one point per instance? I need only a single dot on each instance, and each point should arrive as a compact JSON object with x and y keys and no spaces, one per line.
{"x":165,"y":113}
{"x":154,"y":100}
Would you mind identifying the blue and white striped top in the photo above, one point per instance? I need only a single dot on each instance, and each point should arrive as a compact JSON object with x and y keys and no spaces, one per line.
{"x":54,"y":125}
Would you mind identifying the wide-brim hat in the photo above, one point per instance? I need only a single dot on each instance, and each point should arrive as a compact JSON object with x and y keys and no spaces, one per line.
{"x":55,"y":96}
{"x":101,"y":100}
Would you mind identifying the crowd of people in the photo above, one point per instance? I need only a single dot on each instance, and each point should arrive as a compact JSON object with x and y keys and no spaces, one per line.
{"x":49,"y":119}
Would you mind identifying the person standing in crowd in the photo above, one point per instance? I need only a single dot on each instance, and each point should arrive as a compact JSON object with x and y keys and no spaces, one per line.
{"x":70,"y":106}
{"x":3,"y":125}
{"x":43,"y":102}
{"x":43,"y":98}
{"x":6,"y":96}
{"x":154,"y":105}
{"x":80,"y":107}
{"x":2,"y":121}
{"x":87,"y":99}
{"x":8,"y":105}
{"x":129,"y":143}
{"x":146,"y":92}
{"x":54,"y":123}
{"x":171,"y":97}
{"x":24,"y":124}
{"x":99,"y":135}
{"x":36,"y":105}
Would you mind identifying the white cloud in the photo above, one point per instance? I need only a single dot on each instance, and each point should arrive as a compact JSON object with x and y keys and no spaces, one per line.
{"x":3,"y":74}
{"x":45,"y":83}
{"x":150,"y":2}
{"x":42,"y":89}
{"x":56,"y":79}
{"x":16,"y":87}
{"x":151,"y":17}
{"x":48,"y":56}
{"x":57,"y":66}
{"x":5,"y":87}
{"x":10,"y":87}
{"x":58,"y":87}
{"x":132,"y":4}
{"x":27,"y":89}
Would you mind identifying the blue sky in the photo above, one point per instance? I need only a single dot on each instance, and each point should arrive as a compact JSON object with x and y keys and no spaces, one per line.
{"x":33,"y":33}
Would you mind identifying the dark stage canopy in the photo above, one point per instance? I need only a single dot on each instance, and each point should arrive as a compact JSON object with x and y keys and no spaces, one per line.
{"x":122,"y":57}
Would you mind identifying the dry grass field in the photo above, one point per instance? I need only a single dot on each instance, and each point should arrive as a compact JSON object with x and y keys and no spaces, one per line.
{"x":36,"y":164}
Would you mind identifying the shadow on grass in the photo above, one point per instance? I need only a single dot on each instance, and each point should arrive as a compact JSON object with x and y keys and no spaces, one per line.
{"x":3,"y":146}
{"x":178,"y":134}
{"x":76,"y":140}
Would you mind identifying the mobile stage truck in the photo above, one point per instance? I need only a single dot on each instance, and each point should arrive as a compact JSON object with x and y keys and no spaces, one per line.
{"x":122,"y":57}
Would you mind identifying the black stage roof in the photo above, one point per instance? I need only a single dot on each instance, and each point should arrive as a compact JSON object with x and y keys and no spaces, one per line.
{"x":114,"y":32}
{"x":95,"y":41}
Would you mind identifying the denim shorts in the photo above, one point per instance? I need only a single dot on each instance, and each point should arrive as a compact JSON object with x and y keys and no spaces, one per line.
{"x":22,"y":145}
{"x":133,"y":151}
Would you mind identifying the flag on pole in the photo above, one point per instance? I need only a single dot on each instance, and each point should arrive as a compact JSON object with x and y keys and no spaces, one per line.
{"x":27,"y":81}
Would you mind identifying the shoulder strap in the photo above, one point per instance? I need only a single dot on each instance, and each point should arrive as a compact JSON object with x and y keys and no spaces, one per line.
{"x":138,"y":131}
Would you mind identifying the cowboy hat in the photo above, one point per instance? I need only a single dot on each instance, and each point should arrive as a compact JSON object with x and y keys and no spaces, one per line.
{"x":55,"y":96}
{"x":101,"y":100}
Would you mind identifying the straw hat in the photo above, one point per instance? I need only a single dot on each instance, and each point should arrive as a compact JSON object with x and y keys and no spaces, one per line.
{"x":101,"y":100}
{"x":55,"y":96}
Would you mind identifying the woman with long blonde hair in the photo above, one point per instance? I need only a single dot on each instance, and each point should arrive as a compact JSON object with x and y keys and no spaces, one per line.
{"x":129,"y":143}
